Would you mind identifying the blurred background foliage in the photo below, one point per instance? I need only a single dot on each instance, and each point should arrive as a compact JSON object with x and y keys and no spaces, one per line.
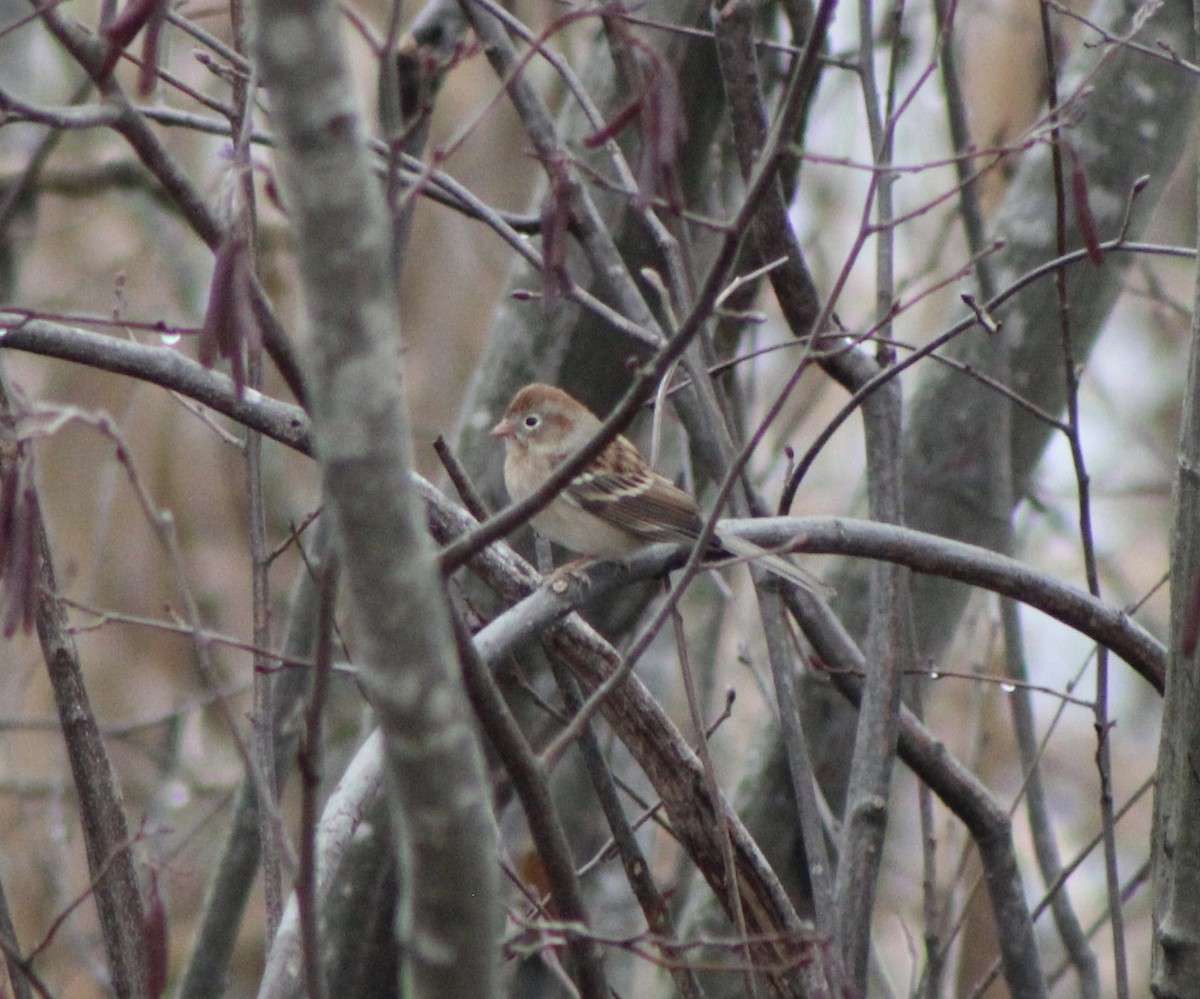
{"x":99,"y":244}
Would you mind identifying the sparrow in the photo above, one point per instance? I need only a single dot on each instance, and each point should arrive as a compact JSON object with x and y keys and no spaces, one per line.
{"x":616,"y":505}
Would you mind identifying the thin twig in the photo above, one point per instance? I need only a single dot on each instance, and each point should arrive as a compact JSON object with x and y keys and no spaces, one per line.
{"x":114,"y":881}
{"x":734,"y":902}
{"x":311,"y":757}
{"x":637,"y":867}
{"x":529,"y":780}
{"x":888,"y":639}
{"x":1038,"y":809}
{"x":21,"y":976}
{"x":1071,"y":376}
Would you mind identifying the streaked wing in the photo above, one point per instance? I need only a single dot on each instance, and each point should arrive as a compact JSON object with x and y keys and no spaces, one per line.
{"x":630,"y":495}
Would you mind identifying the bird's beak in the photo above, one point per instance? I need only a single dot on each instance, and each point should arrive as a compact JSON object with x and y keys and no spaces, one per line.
{"x":503,"y":430}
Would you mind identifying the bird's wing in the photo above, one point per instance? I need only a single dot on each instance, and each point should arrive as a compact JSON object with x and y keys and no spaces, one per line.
{"x":624,"y":491}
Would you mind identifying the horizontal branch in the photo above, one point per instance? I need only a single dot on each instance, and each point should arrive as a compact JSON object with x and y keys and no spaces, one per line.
{"x":637,"y":720}
{"x":926,"y":553}
{"x":162,"y":366}
{"x":937,"y":556}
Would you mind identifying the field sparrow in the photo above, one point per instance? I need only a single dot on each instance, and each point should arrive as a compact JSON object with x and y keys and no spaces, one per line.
{"x":619,"y":503}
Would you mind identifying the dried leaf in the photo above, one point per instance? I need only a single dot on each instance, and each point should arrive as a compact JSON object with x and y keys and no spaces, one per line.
{"x":664,"y":131}
{"x":124,"y":28}
{"x":659,"y":111}
{"x":229,"y":321}
{"x":18,"y":544}
{"x":1083,"y":208}
{"x":556,"y":224}
{"x":1191,"y":620}
{"x":156,"y":938}
{"x":148,"y":76}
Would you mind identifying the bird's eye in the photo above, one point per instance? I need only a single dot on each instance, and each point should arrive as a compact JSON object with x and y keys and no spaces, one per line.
{"x":531,"y":421}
